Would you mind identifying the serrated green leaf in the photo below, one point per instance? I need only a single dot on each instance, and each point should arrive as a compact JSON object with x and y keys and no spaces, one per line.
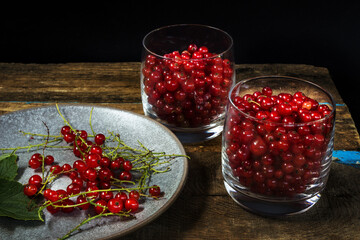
{"x":8,"y":166}
{"x":14,"y":203}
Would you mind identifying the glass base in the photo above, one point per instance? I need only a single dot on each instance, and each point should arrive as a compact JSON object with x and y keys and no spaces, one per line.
{"x":198,"y":136}
{"x":191,"y":135}
{"x":271,"y":208}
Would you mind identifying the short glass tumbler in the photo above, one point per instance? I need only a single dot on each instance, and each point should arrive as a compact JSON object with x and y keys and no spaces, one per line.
{"x":277,"y":144}
{"x":187,"y":71}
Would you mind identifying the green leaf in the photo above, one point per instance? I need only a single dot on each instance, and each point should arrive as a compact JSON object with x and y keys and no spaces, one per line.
{"x":8,"y":166}
{"x":14,"y":203}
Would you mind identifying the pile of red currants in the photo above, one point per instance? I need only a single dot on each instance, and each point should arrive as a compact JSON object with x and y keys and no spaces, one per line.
{"x":277,"y":145}
{"x":187,"y":89}
{"x":91,"y":177}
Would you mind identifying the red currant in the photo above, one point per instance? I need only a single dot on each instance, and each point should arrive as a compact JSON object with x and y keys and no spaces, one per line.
{"x":134,"y":194}
{"x":100,"y":139}
{"x":84,"y":203}
{"x":65,"y":129}
{"x":93,"y":160}
{"x":55,"y":169}
{"x":155,"y":191}
{"x":121,"y":196}
{"x":30,"y":190}
{"x":79,"y":166}
{"x":67,"y":206}
{"x":127,"y":165}
{"x":115,"y":205}
{"x":35,"y":180}
{"x":125,"y":176}
{"x":101,"y":206}
{"x":117,"y":163}
{"x":131,"y":204}
{"x":49,"y":159}
{"x":106,"y":195}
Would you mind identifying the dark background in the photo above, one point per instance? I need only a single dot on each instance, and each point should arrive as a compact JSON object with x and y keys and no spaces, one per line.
{"x":320,"y":33}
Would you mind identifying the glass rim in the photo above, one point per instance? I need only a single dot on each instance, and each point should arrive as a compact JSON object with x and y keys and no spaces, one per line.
{"x":184,"y":25}
{"x":333,"y":103}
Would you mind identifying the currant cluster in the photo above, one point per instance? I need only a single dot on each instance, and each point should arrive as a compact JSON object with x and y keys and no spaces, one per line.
{"x":278,"y":144}
{"x":92,"y":178}
{"x":187,"y":89}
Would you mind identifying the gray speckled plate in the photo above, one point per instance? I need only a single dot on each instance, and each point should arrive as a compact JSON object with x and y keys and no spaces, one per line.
{"x":131,"y":126}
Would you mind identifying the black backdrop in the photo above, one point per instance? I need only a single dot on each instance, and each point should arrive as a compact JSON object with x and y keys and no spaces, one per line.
{"x":320,"y":33}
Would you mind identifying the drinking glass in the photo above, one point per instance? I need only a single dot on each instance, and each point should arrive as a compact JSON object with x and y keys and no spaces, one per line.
{"x":277,"y":144}
{"x":187,"y":71}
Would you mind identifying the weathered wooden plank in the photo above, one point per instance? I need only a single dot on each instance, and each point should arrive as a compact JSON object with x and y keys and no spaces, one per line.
{"x":70,"y":82}
{"x":116,"y":82}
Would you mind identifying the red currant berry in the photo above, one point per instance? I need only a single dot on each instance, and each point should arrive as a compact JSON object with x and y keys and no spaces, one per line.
{"x":127,"y":165}
{"x":78,"y":181}
{"x":115,"y":205}
{"x":121,"y":196}
{"x":35,"y":180}
{"x":100,"y":139}
{"x":117,"y":163}
{"x":106,"y":195}
{"x":105,"y":174}
{"x":55,"y":169}
{"x":134,"y":194}
{"x":73,"y":188}
{"x":95,"y":149}
{"x":92,"y":192}
{"x":49,"y":159}
{"x":53,"y":196}
{"x":84,"y":203}
{"x":154,"y":191}
{"x":267,"y":91}
{"x":52,"y":209}
{"x":192,"y":48}
{"x":93,"y":160}
{"x":104,"y":162}
{"x":62,"y":193}
{"x":65,"y":129}
{"x":100,"y":206}
{"x":79,"y":166}
{"x":67,"y":206}
{"x":66,"y":168}
{"x":258,"y":147}
{"x":35,"y":161}
{"x":30,"y":190}
{"x":83,"y":134}
{"x":125,"y":176}
{"x":90,"y":174}
{"x":131,"y":204}
{"x":69,"y":137}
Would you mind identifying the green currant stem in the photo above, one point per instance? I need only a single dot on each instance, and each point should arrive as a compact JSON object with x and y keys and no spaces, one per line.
{"x":65,"y":121}
{"x":88,"y":219}
{"x":122,"y":181}
{"x":92,"y":130}
{"x":36,"y":146}
{"x":40,"y":135}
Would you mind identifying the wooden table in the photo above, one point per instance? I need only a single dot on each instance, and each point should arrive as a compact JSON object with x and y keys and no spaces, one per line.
{"x":203,"y":210}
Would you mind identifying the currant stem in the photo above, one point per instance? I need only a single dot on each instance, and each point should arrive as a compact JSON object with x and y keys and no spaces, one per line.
{"x":88,"y":219}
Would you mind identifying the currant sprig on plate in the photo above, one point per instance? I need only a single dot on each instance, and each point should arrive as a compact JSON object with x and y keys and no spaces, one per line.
{"x":107,"y":175}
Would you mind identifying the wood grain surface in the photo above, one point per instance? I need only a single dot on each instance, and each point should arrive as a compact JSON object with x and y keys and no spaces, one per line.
{"x":203,"y":210}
